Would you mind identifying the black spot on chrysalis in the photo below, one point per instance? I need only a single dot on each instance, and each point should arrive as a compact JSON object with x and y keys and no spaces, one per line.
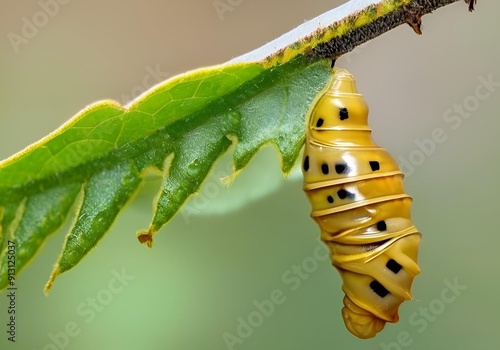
{"x":342,"y":168}
{"x":329,"y":199}
{"x":319,"y":122}
{"x":379,"y":289}
{"x":393,"y":266}
{"x":306,"y":163}
{"x":343,"y":194}
{"x":374,"y":165}
{"x":343,"y":113}
{"x":325,"y":169}
{"x":381,"y":226}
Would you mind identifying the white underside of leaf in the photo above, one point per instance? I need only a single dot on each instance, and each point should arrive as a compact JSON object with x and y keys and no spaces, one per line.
{"x":304,"y":30}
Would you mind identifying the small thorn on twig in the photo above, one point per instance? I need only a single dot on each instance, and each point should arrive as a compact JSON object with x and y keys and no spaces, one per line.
{"x":415,"y":23}
{"x":414,"y":19}
{"x":471,"y":4}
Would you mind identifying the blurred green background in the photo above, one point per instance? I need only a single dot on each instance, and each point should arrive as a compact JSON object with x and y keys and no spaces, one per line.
{"x":207,"y":271}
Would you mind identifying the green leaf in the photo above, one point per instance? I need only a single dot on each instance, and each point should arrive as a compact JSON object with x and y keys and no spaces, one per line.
{"x":177,"y":129}
{"x":37,"y":217}
{"x":104,"y":196}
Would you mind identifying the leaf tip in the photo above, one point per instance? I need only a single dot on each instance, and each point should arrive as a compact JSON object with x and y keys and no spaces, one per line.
{"x":229,"y":179}
{"x":51,"y":280}
{"x":146,"y":237}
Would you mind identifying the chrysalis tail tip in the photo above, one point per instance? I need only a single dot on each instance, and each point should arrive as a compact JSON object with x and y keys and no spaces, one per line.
{"x":360,"y":322}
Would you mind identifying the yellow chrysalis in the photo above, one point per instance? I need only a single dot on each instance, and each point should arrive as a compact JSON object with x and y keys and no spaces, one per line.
{"x":356,"y":192}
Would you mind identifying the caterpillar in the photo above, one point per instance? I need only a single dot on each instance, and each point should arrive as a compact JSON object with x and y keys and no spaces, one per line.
{"x":356,"y":193}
